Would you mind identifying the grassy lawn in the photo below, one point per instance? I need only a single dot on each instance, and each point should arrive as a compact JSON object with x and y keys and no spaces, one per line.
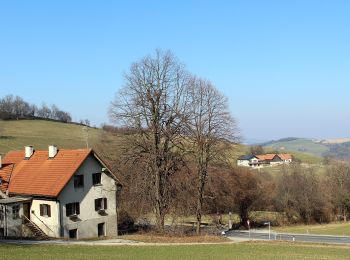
{"x":342,"y":229}
{"x":232,"y":251}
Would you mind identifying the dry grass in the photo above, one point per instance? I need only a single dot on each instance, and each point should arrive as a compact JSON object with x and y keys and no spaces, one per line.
{"x":154,"y":238}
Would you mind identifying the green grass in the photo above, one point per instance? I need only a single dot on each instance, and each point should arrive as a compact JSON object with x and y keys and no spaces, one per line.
{"x":307,"y":146}
{"x":342,"y":229}
{"x":15,"y":134}
{"x":232,"y":251}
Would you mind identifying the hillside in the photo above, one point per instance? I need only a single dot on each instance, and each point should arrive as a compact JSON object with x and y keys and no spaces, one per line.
{"x":41,"y":133}
{"x":16,"y":134}
{"x":337,"y":148}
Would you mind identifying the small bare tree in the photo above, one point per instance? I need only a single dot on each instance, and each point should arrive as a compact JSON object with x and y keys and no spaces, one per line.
{"x":153,"y":102}
{"x":210,"y":128}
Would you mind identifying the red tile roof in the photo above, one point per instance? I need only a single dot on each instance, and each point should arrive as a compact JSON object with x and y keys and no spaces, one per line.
{"x":265,"y":157}
{"x":5,"y":174}
{"x":285,"y":156}
{"x":42,"y":176}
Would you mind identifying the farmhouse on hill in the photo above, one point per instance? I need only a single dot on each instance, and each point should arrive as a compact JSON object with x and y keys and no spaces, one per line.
{"x":263,"y":160}
{"x":57,"y":193}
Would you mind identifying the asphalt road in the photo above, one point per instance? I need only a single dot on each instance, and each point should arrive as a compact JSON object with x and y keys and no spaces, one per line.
{"x":254,"y":235}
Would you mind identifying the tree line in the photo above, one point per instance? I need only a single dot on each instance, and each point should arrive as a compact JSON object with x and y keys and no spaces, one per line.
{"x":15,"y":107}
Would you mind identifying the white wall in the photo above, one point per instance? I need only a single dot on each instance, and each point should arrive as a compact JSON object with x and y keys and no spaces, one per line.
{"x":50,"y":225}
{"x":243,"y":163}
{"x":89,"y":218}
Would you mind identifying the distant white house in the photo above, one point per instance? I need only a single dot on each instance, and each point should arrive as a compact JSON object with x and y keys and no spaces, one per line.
{"x":259,"y":161}
{"x":57,"y":193}
{"x":248,"y":161}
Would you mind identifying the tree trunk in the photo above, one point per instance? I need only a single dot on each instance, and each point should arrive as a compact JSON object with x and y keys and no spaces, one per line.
{"x":159,"y":207}
{"x":201,"y":183}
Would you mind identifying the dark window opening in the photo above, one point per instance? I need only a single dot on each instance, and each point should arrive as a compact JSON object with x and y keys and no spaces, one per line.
{"x":73,"y":233}
{"x":101,"y":230}
{"x":78,"y":181}
{"x":96,"y":178}
{"x":72,"y":209}
{"x":45,"y":210}
{"x":100,"y":204}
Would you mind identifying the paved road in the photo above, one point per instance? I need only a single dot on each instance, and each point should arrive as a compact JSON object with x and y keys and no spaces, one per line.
{"x":255,"y":235}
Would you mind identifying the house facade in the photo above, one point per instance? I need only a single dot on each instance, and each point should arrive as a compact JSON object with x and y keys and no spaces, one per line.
{"x":264,"y":160}
{"x":60,"y":193}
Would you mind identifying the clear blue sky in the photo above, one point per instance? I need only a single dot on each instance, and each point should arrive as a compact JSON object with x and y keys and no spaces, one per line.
{"x":285,"y":65}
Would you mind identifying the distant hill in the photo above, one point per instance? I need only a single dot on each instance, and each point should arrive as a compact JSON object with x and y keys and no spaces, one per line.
{"x":15,"y":134}
{"x":337,"y":148}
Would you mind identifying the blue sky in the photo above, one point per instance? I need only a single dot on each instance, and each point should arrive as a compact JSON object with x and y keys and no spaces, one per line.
{"x":284,"y":65}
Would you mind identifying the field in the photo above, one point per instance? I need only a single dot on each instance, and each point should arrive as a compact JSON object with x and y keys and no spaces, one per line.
{"x":16,"y":134}
{"x":253,"y":250}
{"x":300,"y":144}
{"x":341,"y":229}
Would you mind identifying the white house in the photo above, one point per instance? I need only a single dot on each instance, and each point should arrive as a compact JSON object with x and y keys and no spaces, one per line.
{"x":259,"y":161}
{"x":248,"y":161}
{"x":57,"y":193}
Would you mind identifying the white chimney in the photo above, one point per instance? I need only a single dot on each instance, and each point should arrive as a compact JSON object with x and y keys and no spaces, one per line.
{"x":52,"y":151}
{"x":28,"y":151}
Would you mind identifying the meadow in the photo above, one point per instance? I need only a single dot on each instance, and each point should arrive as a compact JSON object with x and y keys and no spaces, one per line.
{"x":249,"y":250}
{"x":339,"y":229}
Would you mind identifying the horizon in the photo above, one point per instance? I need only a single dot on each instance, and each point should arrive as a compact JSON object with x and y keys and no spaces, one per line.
{"x":283,"y":66}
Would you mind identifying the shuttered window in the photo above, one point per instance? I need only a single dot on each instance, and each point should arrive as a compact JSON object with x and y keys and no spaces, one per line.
{"x":45,"y":210}
{"x":72,"y":209}
{"x":100,"y":204}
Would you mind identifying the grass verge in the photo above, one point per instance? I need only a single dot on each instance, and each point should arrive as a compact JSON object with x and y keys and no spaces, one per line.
{"x":252,"y":250}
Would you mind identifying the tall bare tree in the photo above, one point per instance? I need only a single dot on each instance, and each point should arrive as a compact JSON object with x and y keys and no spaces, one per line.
{"x":153,"y":102}
{"x":337,"y":181}
{"x":210,"y":128}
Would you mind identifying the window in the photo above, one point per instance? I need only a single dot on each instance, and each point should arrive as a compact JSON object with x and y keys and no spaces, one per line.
{"x":100,"y":204}
{"x":45,"y":210}
{"x":101,"y":230}
{"x":73,"y":233}
{"x":78,"y":181}
{"x":72,"y":209}
{"x":96,"y":178}
{"x":15,"y":211}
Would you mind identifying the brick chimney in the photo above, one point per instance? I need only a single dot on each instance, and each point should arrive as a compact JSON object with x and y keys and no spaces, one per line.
{"x":52,"y":151}
{"x":0,"y":162}
{"x":28,"y":151}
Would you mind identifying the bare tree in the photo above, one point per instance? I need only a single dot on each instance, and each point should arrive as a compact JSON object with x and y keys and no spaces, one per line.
{"x":152,"y":102}
{"x":210,"y":128}
{"x":337,"y":181}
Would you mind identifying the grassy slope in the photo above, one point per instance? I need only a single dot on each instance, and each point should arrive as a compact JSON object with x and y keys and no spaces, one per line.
{"x":41,"y":133}
{"x":233,"y":251}
{"x":342,"y":229}
{"x":304,"y":145}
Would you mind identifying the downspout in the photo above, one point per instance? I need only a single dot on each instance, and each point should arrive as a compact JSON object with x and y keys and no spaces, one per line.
{"x":60,"y":219}
{"x":5,"y":206}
